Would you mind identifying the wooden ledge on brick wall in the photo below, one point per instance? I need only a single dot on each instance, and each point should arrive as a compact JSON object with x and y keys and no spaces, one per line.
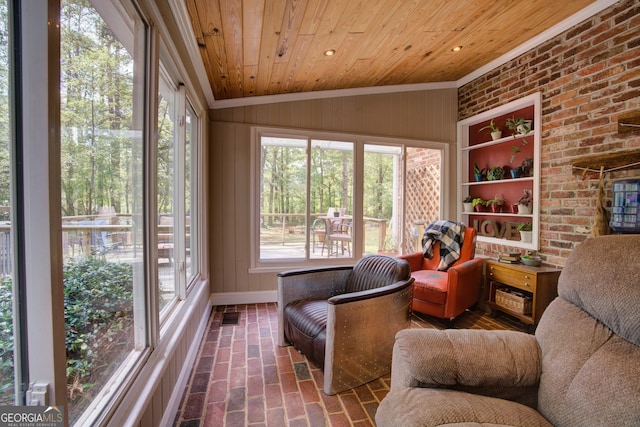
{"x":609,"y":162}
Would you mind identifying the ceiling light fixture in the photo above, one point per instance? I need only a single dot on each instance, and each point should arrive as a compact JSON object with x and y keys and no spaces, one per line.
{"x":329,"y":52}
{"x":456,"y":49}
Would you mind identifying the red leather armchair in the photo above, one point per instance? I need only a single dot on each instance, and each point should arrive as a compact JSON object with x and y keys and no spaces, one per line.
{"x":446,"y":294}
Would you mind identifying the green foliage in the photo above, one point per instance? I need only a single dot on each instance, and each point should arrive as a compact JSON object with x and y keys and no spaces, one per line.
{"x":491,"y":127}
{"x":96,"y":114}
{"x":479,"y":201}
{"x":518,"y":125}
{"x":6,"y":341}
{"x":525,"y":226}
{"x":378,"y":186}
{"x":495,"y":173}
{"x":98,"y":305}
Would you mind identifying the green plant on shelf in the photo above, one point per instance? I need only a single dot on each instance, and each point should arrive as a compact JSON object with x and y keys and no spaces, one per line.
{"x":525,"y":226}
{"x":491,"y":127}
{"x":495,"y":173}
{"x":479,"y":201}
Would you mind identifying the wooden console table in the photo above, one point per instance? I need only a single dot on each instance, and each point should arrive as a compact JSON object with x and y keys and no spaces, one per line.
{"x":539,"y":283}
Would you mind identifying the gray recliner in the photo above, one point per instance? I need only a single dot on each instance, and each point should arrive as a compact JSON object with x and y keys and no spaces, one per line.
{"x":582,"y":367}
{"x":344,"y":319}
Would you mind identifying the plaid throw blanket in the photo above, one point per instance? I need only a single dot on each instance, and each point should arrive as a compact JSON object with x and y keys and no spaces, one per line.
{"x":450,"y":235}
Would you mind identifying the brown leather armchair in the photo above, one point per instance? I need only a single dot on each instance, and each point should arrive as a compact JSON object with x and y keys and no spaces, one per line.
{"x":344,"y":319}
{"x":446,"y":294}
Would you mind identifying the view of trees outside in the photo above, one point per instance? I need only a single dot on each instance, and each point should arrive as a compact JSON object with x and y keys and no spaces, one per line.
{"x":283,"y":189}
{"x":101,"y":164}
{"x":382,"y":200}
{"x":7,"y":384}
{"x":165,"y":185}
{"x":284,"y":192}
{"x":190,"y":189}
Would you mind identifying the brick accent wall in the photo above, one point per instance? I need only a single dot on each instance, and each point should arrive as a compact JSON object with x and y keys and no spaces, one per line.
{"x":588,"y":76}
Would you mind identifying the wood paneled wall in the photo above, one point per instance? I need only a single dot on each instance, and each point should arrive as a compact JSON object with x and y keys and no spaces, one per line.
{"x":429,"y":115}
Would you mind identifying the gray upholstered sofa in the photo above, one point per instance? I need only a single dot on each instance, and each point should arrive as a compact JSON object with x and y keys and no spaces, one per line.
{"x":582,"y":367}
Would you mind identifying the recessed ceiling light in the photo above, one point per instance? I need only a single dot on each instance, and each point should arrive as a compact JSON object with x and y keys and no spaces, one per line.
{"x":329,"y":52}
{"x":457,"y":49}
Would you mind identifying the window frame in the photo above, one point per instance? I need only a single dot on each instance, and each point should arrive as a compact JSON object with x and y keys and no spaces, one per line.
{"x":257,"y":132}
{"x":40,"y":215}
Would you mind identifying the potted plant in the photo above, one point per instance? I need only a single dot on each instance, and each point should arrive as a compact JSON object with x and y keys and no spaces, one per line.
{"x":478,"y":172}
{"x":527,"y":166}
{"x":495,"y":173}
{"x":468,"y":203}
{"x":495,"y":204}
{"x":479,"y":204}
{"x":526,"y":233}
{"x":531,"y":259}
{"x":519,"y":126}
{"x":516,"y":172}
{"x":525,"y":202}
{"x":494,"y":130}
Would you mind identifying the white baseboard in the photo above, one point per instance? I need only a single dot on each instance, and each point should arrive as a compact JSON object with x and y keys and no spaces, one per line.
{"x":232,"y":298}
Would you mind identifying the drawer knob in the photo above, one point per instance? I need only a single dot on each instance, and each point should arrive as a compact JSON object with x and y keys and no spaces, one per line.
{"x":526,"y":276}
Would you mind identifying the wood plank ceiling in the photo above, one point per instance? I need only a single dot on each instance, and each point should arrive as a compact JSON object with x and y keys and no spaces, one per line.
{"x":265,"y":47}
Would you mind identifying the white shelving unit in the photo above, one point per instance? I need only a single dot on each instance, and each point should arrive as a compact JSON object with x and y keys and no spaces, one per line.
{"x":474,"y":146}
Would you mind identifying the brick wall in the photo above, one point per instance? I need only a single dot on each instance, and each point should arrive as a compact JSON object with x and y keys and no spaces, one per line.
{"x":588,"y":76}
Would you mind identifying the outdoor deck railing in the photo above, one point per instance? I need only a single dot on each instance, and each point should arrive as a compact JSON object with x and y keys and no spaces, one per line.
{"x":283,"y":217}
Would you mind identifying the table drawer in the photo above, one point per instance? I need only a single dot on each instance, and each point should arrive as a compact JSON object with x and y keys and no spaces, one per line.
{"x":519,"y":279}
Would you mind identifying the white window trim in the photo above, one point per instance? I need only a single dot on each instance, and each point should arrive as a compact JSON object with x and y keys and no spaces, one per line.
{"x":256,"y":265}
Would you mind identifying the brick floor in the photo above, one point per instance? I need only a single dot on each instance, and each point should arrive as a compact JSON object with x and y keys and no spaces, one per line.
{"x":241,"y":377}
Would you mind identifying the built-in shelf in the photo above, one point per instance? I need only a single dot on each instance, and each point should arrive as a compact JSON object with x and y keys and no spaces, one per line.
{"x":608,"y":162}
{"x":476,"y":146}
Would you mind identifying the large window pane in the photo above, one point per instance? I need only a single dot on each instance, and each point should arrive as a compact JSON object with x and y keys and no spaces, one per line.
{"x":165,"y":192}
{"x":191,"y":192}
{"x":102,"y":199}
{"x":283,"y":178}
{"x":331,"y":202}
{"x":307,"y":195}
{"x":382,"y":199}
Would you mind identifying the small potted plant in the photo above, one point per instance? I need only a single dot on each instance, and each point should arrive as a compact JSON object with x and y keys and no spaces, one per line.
{"x":525,"y":202}
{"x":526,"y":233}
{"x":519,"y":126}
{"x":494,"y":130}
{"x":479,"y":204}
{"x":531,"y":259}
{"x":479,"y":172}
{"x":527,"y":166}
{"x":495,"y":173}
{"x":468,"y":203}
{"x":495,"y":204}
{"x":516,"y":172}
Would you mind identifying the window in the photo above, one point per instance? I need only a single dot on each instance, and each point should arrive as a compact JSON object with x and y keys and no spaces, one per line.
{"x":382,"y":198}
{"x":287,"y":203}
{"x":190,"y":192}
{"x":166,"y":165}
{"x":176,"y":191}
{"x":80,"y":198}
{"x":313,"y":207}
{"x":102,"y":152}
